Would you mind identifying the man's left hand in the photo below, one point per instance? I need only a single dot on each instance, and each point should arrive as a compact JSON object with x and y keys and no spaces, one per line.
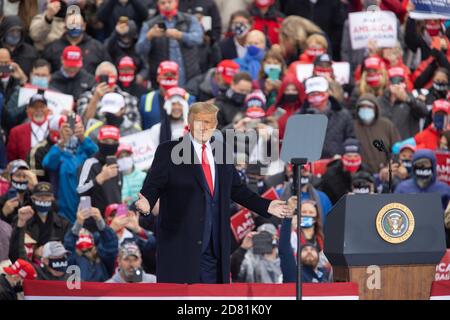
{"x":280,"y":209}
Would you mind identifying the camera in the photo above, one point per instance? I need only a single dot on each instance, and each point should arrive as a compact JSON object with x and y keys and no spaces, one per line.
{"x":162,"y":25}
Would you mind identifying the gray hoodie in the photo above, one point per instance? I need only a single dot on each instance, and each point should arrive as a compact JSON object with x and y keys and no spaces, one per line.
{"x":117,"y":278}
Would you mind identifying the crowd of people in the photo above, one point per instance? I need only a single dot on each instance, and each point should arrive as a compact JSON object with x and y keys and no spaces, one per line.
{"x":68,"y":185}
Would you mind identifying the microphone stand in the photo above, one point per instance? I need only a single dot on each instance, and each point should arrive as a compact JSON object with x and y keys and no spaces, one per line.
{"x":298,"y":163}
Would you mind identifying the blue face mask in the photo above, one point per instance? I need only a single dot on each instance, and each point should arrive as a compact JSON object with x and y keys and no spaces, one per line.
{"x":367,"y":115}
{"x":307,"y":222}
{"x":255,"y":52}
{"x":13,"y":39}
{"x":41,"y":82}
{"x":75,"y":33}
{"x":439,"y":121}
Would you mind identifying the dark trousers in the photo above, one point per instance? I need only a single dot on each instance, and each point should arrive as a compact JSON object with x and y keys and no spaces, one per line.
{"x":209,"y":266}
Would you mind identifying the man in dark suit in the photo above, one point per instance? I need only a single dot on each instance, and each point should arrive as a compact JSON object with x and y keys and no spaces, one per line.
{"x":194,"y":186}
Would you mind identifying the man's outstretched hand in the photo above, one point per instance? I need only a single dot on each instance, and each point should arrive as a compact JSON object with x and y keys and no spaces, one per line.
{"x":280,"y":209}
{"x":142,"y":205}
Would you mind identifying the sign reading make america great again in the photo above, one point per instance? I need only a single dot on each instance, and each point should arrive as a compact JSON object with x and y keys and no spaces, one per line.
{"x":379,"y":26}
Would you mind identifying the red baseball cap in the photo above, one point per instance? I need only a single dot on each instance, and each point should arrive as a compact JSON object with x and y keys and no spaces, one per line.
{"x":373,"y":62}
{"x":175,"y":91}
{"x":109,"y":132}
{"x":441,"y":105}
{"x":124,"y":147}
{"x":126,"y":62}
{"x":72,"y":57}
{"x":110,"y":209}
{"x":227,"y":69}
{"x":23,"y":269}
{"x":396,"y":72}
{"x":84,"y":242}
{"x":168,"y":66}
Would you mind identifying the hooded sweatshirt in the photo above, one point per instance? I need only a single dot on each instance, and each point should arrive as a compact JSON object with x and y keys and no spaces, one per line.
{"x":23,"y":54}
{"x":290,"y":108}
{"x":381,"y":128}
{"x":411,"y":186}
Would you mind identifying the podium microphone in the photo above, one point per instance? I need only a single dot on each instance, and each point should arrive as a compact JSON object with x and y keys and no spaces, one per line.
{"x":380,"y":146}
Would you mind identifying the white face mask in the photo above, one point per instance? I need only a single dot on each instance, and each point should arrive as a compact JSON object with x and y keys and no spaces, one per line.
{"x":125,"y":164}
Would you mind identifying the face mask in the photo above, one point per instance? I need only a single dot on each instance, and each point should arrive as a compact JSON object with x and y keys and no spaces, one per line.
{"x":351,"y":165}
{"x":290,"y":98}
{"x":361,"y":188}
{"x":408,"y":165}
{"x":317,"y":100}
{"x":255,"y":52}
{"x":304,"y":180}
{"x":374,"y":80}
{"x":367,"y":115}
{"x":423,"y":177}
{"x":126,"y":78}
{"x":40,"y":82}
{"x":124,"y":42}
{"x":440,"y":88}
{"x":59,"y":265}
{"x":272,"y":68}
{"x":108,"y":149}
{"x":75,"y":33}
{"x":113,"y":120}
{"x":313,"y":53}
{"x":240,"y":29}
{"x":125,"y":164}
{"x":439,"y":121}
{"x":39,"y":121}
{"x":307,"y":222}
{"x":20,"y":186}
{"x":42,"y":207}
{"x":13,"y":39}
{"x":324,"y":72}
{"x":433,"y":28}
{"x":237,"y":98}
{"x":263,"y":3}
{"x":169,"y":13}
{"x":168,"y":83}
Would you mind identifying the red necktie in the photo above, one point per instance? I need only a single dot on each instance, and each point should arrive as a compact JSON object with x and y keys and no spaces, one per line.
{"x":207,"y":169}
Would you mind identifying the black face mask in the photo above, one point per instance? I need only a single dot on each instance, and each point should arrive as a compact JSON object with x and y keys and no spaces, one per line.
{"x":113,"y":120}
{"x":304,"y":180}
{"x":408,"y":165}
{"x":440,"y":89}
{"x":361,"y":188}
{"x":108,"y":149}
{"x":59,"y":265}
{"x":124,"y":42}
{"x":423,"y":176}
{"x":290,"y":98}
{"x":237,"y":98}
{"x":20,"y":186}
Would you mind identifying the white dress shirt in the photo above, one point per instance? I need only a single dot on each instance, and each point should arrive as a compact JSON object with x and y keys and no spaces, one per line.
{"x":241,"y":50}
{"x":209,"y":154}
{"x":38,"y":133}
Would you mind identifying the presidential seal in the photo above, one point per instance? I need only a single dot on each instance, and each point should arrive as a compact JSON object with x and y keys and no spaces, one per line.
{"x":395,"y":223}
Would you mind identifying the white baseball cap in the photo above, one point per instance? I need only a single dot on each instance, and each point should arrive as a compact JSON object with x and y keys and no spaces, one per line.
{"x":112,"y":103}
{"x":316,"y":84}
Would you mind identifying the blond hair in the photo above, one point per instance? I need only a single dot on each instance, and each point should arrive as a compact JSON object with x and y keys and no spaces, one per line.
{"x":202,"y":107}
{"x":297,"y":29}
{"x":317,"y":39}
{"x":365,"y":88}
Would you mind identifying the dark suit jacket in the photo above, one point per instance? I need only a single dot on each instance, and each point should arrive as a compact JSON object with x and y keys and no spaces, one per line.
{"x":181,"y":191}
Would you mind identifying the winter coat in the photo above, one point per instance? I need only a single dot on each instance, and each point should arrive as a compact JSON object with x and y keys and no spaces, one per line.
{"x":410,"y":185}
{"x":339,"y":128}
{"x":405,"y":115}
{"x":381,"y":128}
{"x":66,"y":164}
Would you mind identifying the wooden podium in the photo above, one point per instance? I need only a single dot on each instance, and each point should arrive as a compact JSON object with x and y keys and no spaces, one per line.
{"x":388,"y":244}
